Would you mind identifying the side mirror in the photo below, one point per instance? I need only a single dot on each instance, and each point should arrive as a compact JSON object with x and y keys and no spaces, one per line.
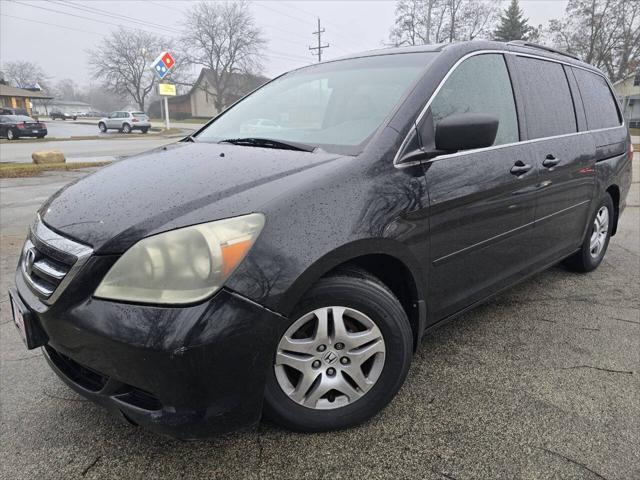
{"x":464,"y":131}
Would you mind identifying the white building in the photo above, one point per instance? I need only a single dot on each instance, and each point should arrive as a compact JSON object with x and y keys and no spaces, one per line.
{"x":67,"y":106}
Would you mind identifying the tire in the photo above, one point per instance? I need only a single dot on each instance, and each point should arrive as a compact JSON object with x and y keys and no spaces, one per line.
{"x":75,"y":118}
{"x":144,"y":130}
{"x":40,"y":136}
{"x":102,"y":127}
{"x":11,"y":135}
{"x":366,"y":299}
{"x":592,"y":252}
{"x":126,"y":128}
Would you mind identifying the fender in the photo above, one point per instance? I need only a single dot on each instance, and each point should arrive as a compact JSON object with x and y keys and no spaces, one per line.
{"x":349,"y":252}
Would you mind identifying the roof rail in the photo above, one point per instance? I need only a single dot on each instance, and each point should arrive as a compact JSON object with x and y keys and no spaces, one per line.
{"x":524,"y":43}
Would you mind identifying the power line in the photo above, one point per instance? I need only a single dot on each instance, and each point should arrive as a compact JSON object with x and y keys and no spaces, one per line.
{"x":338,"y":29}
{"x":71,"y":14}
{"x":161,"y":4}
{"x":320,"y":47}
{"x":271,"y":54}
{"x":50,"y":24}
{"x":118,"y":16}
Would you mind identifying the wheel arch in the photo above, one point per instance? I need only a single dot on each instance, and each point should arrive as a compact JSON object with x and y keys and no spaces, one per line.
{"x":387,"y":260}
{"x":614,"y":192}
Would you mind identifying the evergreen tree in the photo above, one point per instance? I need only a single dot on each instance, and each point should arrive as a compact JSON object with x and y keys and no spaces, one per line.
{"x":512,"y":24}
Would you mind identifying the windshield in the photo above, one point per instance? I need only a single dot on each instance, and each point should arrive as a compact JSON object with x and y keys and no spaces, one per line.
{"x":336,"y":106}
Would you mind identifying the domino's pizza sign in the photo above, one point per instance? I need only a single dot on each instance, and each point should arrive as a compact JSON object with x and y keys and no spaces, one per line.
{"x":163,"y":64}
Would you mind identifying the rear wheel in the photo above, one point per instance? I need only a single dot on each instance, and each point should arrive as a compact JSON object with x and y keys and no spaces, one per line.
{"x":126,"y":128}
{"x":597,"y":239}
{"x":144,"y":130}
{"x":342,"y":359}
{"x":102,"y":127}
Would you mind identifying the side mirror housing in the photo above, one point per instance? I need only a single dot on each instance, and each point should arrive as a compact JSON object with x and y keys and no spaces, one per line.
{"x":464,"y":131}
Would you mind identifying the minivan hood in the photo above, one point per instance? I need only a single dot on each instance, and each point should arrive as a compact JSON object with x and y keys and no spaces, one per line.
{"x":171,"y":187}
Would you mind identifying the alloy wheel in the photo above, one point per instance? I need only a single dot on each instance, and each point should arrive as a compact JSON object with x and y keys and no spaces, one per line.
{"x":330,"y":357}
{"x":600,"y":232}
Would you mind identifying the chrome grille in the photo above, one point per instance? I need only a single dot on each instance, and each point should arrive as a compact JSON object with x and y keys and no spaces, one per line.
{"x":49,"y":261}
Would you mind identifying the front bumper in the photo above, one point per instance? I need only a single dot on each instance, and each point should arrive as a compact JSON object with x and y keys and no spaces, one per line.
{"x":187,"y":372}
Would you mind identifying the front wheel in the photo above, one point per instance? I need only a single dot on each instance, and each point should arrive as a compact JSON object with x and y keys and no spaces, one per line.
{"x":11,"y":135}
{"x":342,"y":359}
{"x":102,"y":127}
{"x":597,"y":239}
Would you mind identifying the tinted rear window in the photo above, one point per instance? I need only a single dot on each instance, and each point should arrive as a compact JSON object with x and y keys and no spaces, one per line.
{"x":139,"y":114}
{"x":24,"y":118}
{"x":599,"y":103}
{"x":549,"y":106}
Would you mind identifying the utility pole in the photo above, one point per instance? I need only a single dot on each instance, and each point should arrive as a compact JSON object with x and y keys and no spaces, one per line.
{"x":320,"y":47}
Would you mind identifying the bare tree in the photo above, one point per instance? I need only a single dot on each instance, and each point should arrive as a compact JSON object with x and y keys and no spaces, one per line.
{"x":22,"y":73}
{"x":605,"y":33}
{"x":67,"y":89}
{"x":223,"y":37}
{"x":475,"y":19}
{"x":123,"y":63}
{"x":420,"y":22}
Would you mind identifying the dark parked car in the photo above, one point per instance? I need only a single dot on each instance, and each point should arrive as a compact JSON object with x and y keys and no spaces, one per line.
{"x":63,"y":115}
{"x":293,"y":272}
{"x":13,"y":127}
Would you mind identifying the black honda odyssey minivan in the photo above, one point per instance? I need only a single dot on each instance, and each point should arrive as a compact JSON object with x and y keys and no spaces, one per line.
{"x":287,"y":258}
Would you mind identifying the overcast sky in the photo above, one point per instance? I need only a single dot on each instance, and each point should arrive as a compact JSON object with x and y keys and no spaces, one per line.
{"x":38,"y":31}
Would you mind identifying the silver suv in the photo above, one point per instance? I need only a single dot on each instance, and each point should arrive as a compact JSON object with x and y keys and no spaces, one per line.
{"x":125,"y":122}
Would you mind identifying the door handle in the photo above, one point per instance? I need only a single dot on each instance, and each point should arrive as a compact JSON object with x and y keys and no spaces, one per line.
{"x":520,"y":168}
{"x":550,"y":161}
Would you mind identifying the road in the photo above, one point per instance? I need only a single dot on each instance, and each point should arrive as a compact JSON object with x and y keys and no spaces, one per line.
{"x":541,"y":382}
{"x":84,"y":150}
{"x":89,"y":127}
{"x":68,"y":128}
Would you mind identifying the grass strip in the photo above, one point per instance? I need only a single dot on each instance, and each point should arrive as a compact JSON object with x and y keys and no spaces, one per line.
{"x":20,"y":170}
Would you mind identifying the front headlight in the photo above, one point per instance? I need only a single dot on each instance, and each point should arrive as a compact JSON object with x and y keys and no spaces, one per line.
{"x":181,"y":266}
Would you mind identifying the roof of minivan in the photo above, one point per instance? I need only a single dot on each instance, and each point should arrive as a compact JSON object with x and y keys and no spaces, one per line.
{"x":474,"y":45}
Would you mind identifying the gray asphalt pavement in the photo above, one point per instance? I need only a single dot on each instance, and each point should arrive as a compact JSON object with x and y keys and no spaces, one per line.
{"x":68,"y":128}
{"x":84,"y":150}
{"x":541,"y":382}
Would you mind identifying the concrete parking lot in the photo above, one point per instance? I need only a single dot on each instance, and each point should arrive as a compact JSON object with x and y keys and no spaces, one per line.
{"x":541,"y":382}
{"x":84,"y":150}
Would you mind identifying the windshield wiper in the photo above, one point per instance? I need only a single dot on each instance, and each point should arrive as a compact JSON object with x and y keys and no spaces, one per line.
{"x":269,"y":143}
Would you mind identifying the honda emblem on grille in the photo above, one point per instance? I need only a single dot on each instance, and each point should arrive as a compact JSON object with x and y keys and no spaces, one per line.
{"x":29,"y":258}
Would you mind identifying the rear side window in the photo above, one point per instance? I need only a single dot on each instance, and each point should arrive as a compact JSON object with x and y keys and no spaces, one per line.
{"x":548,"y":102}
{"x":480,"y":84}
{"x":599,"y":103}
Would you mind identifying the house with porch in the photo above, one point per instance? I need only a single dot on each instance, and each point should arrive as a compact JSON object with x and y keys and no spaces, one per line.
{"x":21,"y":99}
{"x":628,"y":91}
